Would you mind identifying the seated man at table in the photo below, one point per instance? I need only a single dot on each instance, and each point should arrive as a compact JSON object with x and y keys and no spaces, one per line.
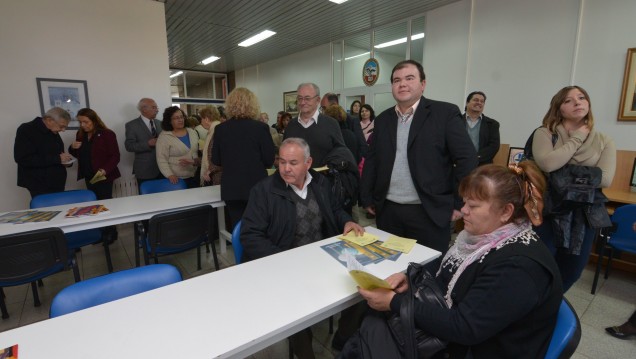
{"x":291,"y":208}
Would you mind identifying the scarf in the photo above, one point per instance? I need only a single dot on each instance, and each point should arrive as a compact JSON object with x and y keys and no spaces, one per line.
{"x":469,"y":248}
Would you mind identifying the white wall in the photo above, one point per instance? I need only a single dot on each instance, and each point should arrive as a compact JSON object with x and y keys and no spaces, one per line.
{"x":519,"y":52}
{"x":118,"y":46}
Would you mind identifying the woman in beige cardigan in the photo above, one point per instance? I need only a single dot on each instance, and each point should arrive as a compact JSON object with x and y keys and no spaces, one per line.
{"x":177,"y":148}
{"x":577,"y":143}
{"x":210,"y":174}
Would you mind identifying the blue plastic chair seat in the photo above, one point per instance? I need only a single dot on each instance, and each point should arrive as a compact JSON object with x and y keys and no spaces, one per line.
{"x":567,"y":333}
{"x":236,"y":243}
{"x":113,"y":286}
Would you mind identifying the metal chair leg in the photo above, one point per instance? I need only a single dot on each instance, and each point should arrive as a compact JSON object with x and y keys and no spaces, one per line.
{"x":36,"y":297}
{"x":3,"y":305}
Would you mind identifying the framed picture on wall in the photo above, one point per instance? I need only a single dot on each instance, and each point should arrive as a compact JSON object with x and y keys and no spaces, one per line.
{"x":71,"y":95}
{"x":515,"y":154}
{"x":289,"y":102}
{"x":627,"y":108}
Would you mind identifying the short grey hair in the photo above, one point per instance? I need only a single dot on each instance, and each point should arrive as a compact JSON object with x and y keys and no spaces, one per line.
{"x":140,"y":104}
{"x":298,"y":142}
{"x":305,"y":84}
{"x":57,"y":114}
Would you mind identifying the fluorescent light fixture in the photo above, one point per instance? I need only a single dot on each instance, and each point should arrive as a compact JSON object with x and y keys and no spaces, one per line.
{"x":176,"y":74}
{"x":399,"y":41}
{"x":354,"y":56}
{"x":257,"y":38}
{"x":209,"y":60}
{"x":338,"y":1}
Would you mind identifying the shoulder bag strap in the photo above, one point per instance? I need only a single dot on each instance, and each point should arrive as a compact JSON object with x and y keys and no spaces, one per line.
{"x":408,"y":321}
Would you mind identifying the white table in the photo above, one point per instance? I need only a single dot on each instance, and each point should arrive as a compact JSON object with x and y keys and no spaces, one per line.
{"x":262,"y":301}
{"x":130,"y":209}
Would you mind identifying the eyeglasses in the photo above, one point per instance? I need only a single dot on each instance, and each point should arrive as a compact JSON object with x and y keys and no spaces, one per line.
{"x":300,"y":99}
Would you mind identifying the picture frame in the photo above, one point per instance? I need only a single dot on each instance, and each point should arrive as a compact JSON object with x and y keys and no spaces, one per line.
{"x":71,"y":95}
{"x":290,"y":103}
{"x":515,"y":155}
{"x":632,"y":182}
{"x":627,"y":107}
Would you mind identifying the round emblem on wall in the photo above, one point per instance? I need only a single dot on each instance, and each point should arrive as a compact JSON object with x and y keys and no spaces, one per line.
{"x":370,"y":72}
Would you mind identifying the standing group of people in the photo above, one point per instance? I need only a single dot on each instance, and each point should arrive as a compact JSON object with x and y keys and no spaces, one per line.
{"x":417,"y":167}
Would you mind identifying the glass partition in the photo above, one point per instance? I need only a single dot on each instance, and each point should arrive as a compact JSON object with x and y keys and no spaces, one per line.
{"x":417,"y":40}
{"x":390,"y":48}
{"x":357,"y":50}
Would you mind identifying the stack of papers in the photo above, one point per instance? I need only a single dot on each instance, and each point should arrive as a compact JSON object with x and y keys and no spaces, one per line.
{"x":28,"y":216}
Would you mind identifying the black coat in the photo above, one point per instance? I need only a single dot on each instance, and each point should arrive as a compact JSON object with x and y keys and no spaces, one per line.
{"x":440,"y":154}
{"x":244,"y":148}
{"x":37,"y":153}
{"x":488,"y":140}
{"x":269,"y":222}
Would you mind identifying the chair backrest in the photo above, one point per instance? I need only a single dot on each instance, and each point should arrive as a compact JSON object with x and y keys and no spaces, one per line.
{"x":624,"y":217}
{"x":567,"y":333}
{"x":161,"y":185}
{"x":236,"y":243}
{"x":28,"y":256}
{"x":66,"y":197}
{"x":182,"y":229}
{"x":113,"y":286}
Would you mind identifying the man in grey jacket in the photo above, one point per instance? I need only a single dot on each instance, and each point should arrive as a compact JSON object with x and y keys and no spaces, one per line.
{"x":141,"y":137}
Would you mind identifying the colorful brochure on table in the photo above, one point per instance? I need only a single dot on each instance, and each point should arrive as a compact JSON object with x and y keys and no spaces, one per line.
{"x":86,"y":211}
{"x":9,"y":353}
{"x":28,"y":216}
{"x":372,"y":253}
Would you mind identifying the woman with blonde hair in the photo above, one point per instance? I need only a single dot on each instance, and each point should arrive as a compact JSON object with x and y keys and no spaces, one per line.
{"x":243,"y":146}
{"x":568,"y":148}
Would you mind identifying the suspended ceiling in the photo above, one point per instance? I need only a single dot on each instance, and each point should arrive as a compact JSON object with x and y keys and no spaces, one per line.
{"x":197,"y":29}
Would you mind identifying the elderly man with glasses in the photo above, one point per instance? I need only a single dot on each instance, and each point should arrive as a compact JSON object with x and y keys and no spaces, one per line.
{"x":321,"y":132}
{"x":39,"y":152}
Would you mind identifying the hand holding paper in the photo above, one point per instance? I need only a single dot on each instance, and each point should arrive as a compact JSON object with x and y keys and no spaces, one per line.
{"x":366,"y":238}
{"x":364,"y":279}
{"x":99,"y":176}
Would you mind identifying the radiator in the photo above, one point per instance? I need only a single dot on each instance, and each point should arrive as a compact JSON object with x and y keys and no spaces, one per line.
{"x":124,"y":187}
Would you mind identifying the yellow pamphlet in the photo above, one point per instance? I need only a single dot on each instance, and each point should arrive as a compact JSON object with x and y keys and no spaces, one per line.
{"x":367,"y":280}
{"x":98,"y":177}
{"x":366,"y":238}
{"x":320,"y":169}
{"x":403,"y":245}
{"x":271,"y":171}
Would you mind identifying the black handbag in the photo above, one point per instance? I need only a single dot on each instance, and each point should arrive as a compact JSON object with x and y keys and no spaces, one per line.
{"x":414,"y":342}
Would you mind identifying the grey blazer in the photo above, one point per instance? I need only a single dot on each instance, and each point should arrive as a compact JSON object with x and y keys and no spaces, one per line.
{"x":137,"y":136}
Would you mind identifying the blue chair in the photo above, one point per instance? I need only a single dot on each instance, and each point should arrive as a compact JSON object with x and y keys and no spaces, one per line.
{"x":567,"y":333}
{"x":79,"y":239}
{"x":236,"y":243}
{"x":30,"y":256}
{"x":113,"y":286}
{"x":179,"y":231}
{"x":161,"y":185}
{"x":622,"y":237}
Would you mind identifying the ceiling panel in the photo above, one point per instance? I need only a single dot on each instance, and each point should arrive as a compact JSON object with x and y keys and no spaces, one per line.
{"x":197,"y":29}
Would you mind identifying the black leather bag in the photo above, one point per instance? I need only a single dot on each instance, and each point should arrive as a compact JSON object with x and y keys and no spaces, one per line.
{"x":413,"y":342}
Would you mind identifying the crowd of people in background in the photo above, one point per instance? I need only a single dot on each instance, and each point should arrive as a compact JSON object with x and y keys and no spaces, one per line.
{"x":402,"y":167}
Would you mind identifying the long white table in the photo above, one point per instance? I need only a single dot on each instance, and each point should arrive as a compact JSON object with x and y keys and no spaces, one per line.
{"x":263,"y":301}
{"x":130,"y":209}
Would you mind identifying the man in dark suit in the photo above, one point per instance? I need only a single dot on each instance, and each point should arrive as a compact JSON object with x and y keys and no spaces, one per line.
{"x":482,"y":130}
{"x":39,"y":152}
{"x":419,"y":154}
{"x":141,"y":138}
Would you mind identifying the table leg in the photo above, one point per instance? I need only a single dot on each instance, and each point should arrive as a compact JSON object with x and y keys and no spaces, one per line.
{"x":224,"y":235}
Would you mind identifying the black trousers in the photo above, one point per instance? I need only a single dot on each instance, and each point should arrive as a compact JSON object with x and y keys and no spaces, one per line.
{"x":412,"y":221}
{"x":234,"y":210}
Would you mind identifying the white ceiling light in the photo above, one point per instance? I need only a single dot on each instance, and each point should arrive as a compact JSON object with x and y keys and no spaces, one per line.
{"x":338,"y":1}
{"x":209,"y":60}
{"x":257,"y":38}
{"x":176,"y":74}
{"x":399,"y":41}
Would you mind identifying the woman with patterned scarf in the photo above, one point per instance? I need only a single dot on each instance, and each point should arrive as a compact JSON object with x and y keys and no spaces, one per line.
{"x":501,"y":284}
